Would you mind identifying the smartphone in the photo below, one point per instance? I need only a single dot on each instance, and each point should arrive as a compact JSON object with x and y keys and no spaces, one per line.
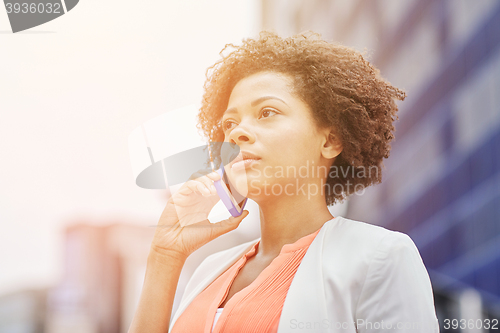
{"x":234,"y":202}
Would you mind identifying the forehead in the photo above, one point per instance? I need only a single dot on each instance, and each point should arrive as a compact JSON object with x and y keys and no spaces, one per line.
{"x":255,"y":85}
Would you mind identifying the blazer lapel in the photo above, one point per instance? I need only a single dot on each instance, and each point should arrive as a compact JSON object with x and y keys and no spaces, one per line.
{"x":215,"y":266}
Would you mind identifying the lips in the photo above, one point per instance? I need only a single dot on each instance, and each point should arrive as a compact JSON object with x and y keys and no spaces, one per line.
{"x":244,"y":159}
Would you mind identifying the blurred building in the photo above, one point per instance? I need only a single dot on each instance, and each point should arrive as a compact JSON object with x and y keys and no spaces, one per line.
{"x":98,"y":278}
{"x":441,"y":184}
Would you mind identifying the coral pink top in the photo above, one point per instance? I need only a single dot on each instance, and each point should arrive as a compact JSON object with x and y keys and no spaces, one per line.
{"x":255,"y":308}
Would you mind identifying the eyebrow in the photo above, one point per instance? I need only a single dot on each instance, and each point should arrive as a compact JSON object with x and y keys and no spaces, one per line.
{"x":254,"y":103}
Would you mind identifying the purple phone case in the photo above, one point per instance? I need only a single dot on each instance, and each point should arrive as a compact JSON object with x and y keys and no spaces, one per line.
{"x":225,"y":197}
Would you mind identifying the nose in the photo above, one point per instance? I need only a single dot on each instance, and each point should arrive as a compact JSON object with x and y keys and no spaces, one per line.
{"x":241,"y":134}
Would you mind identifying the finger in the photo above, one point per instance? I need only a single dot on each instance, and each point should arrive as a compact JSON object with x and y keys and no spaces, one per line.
{"x":204,"y":189}
{"x":208,"y":184}
{"x":189,"y":187}
{"x":208,"y":181}
{"x":200,"y":173}
{"x":203,"y":173}
{"x":213,"y":176}
{"x":229,"y":224}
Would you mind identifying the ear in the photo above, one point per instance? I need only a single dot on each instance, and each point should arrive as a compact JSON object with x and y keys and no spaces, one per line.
{"x":332,"y":145}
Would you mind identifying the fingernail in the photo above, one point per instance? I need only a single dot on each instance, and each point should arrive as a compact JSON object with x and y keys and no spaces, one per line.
{"x":212,"y":188}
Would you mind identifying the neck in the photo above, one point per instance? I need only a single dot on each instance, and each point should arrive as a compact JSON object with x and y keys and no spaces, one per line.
{"x":286,"y":219}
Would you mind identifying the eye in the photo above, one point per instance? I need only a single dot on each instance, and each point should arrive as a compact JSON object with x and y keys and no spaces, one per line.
{"x":267,"y":112}
{"x":227,"y":125}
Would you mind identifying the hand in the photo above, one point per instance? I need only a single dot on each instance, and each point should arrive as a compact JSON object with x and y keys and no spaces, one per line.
{"x":183,"y":226}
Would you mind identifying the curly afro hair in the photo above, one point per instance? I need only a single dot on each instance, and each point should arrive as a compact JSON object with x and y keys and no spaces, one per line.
{"x":344,"y":91}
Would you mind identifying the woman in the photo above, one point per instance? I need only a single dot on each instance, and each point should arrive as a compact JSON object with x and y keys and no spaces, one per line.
{"x":313,"y":121}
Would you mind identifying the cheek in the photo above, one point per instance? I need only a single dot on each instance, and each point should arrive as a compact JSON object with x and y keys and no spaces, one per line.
{"x":301,"y":145}
{"x":293,"y":143}
{"x":284,"y":150}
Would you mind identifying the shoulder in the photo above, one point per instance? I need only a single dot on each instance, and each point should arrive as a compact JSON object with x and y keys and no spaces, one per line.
{"x":386,"y":274}
{"x":358,"y":251}
{"x":377,"y":256}
{"x":381,"y":270}
{"x":364,"y":238}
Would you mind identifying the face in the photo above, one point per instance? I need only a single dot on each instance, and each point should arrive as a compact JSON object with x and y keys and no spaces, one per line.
{"x":277,"y":135}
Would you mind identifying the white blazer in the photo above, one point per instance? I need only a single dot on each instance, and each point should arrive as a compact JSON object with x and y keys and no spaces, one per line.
{"x":355,"y":277}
